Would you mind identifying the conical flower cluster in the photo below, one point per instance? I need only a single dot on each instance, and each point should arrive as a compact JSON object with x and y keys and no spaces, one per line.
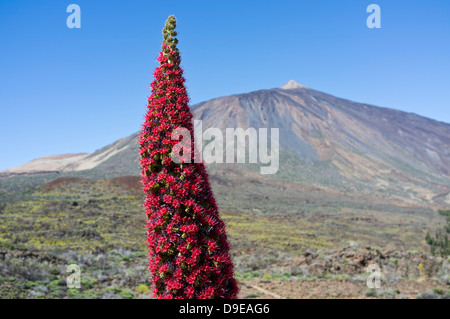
{"x":189,"y":250}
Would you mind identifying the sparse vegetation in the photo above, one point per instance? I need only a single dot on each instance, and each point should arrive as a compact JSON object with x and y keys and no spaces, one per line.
{"x":41,"y":233}
{"x":439,"y":242}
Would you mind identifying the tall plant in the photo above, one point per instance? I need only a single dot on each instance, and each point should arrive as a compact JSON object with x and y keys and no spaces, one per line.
{"x":189,"y":250}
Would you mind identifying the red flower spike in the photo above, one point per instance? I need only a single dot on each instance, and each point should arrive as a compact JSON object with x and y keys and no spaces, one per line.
{"x":189,"y":251}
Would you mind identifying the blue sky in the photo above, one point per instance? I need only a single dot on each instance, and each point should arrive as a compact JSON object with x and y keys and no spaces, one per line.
{"x":75,"y":90}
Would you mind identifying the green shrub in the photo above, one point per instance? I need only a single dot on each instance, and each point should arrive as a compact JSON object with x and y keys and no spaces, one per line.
{"x":439,"y":291}
{"x":143,"y":289}
{"x":371,"y":293}
{"x":126,"y":294}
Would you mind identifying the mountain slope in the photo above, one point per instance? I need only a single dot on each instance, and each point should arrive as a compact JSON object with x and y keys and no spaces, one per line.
{"x":325,"y":140}
{"x":46,"y":164}
{"x":321,"y":127}
{"x":355,"y":146}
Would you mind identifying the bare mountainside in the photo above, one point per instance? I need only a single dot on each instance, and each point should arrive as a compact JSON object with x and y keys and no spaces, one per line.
{"x":325,"y":141}
{"x":46,"y":164}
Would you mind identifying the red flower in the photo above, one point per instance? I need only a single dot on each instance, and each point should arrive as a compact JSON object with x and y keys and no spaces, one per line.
{"x":189,"y":228}
{"x":167,"y":199}
{"x":211,"y":245}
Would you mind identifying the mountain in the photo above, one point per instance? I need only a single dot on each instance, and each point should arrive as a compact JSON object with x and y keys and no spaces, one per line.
{"x":321,"y":127}
{"x":46,"y":164}
{"x":117,"y":159}
{"x":325,"y":141}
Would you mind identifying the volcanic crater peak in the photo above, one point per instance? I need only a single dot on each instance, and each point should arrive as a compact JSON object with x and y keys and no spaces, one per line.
{"x":293,"y":85}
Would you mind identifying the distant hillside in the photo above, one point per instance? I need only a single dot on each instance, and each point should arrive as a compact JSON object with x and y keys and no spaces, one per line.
{"x":46,"y":164}
{"x":325,"y":141}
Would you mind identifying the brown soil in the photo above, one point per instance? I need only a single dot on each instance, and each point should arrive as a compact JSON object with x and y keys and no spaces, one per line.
{"x":128,"y":182}
{"x":334,"y":288}
{"x":61,"y":181}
